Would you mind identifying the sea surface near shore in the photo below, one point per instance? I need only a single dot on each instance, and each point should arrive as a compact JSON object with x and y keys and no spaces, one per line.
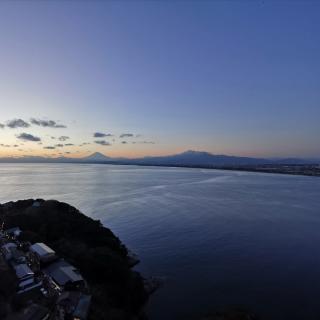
{"x":218,"y":237}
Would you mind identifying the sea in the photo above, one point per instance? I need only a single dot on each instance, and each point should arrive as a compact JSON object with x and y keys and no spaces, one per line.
{"x":216,"y":238}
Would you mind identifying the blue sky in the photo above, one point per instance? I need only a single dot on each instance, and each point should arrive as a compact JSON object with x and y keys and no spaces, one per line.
{"x":226,"y":77}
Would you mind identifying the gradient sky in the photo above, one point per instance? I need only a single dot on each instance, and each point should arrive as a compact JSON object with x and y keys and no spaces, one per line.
{"x":230,"y":77}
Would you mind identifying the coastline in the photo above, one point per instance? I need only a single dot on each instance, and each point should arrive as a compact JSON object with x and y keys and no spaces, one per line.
{"x":309,"y":170}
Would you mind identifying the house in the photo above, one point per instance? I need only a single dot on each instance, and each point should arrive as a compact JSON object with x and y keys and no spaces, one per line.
{"x":43,"y":252}
{"x":30,"y":287}
{"x":23,"y":272}
{"x":13,"y":232}
{"x":7,"y":250}
{"x":64,"y":273}
{"x":26,"y":284}
{"x":17,"y":256}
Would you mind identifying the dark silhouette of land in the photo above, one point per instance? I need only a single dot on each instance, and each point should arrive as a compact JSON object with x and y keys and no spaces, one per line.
{"x":117,"y":291}
{"x":194,"y":159}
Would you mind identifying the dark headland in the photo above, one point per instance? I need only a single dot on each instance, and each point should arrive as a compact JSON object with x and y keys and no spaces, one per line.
{"x":116,"y":291}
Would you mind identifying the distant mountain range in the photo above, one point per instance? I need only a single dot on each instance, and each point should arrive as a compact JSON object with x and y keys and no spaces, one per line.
{"x":188,"y":158}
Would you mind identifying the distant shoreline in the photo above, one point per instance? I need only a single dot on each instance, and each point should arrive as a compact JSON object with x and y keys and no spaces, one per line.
{"x":311,"y":170}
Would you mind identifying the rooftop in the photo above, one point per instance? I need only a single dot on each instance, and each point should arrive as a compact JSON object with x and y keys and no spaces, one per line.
{"x":63,"y":272}
{"x":9,"y":245}
{"x":41,"y":249}
{"x":16,"y":230}
{"x":22,"y":271}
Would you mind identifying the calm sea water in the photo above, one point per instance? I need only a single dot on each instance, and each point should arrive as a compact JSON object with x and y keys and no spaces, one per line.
{"x":218,"y":237}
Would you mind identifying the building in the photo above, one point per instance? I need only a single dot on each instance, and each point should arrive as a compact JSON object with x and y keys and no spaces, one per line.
{"x":17,"y":256}
{"x":13,"y":232}
{"x":7,"y":250}
{"x":23,"y":272}
{"x":43,"y":252}
{"x":64,"y":273}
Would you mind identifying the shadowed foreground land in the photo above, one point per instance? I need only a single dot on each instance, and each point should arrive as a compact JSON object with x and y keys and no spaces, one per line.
{"x":118,"y":291}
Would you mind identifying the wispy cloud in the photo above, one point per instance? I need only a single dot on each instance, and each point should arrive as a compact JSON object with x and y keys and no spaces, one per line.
{"x":28,"y":137}
{"x":59,"y":145}
{"x":46,"y":123}
{"x":103,"y":142}
{"x":102,"y":135}
{"x":124,"y":142}
{"x":143,"y":142}
{"x":49,"y":147}
{"x":69,"y":144}
{"x":63,"y":138}
{"x":126,"y":135}
{"x":17,"y":123}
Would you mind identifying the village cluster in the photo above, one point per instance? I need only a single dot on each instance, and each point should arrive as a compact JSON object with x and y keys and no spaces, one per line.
{"x":50,"y":287}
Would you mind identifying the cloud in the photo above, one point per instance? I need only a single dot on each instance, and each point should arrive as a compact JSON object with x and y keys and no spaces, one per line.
{"x":28,"y":137}
{"x":69,"y":144}
{"x":59,"y":145}
{"x":126,"y":135}
{"x":102,"y":135}
{"x":2,"y":126}
{"x":17,"y":123}
{"x":143,"y":142}
{"x":46,"y":123}
{"x":63,"y":138}
{"x":124,"y":142}
{"x":84,"y":144}
{"x":103,"y":142}
{"x":49,"y":147}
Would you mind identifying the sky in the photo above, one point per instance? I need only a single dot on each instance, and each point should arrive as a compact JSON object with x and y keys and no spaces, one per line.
{"x":137,"y":78}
